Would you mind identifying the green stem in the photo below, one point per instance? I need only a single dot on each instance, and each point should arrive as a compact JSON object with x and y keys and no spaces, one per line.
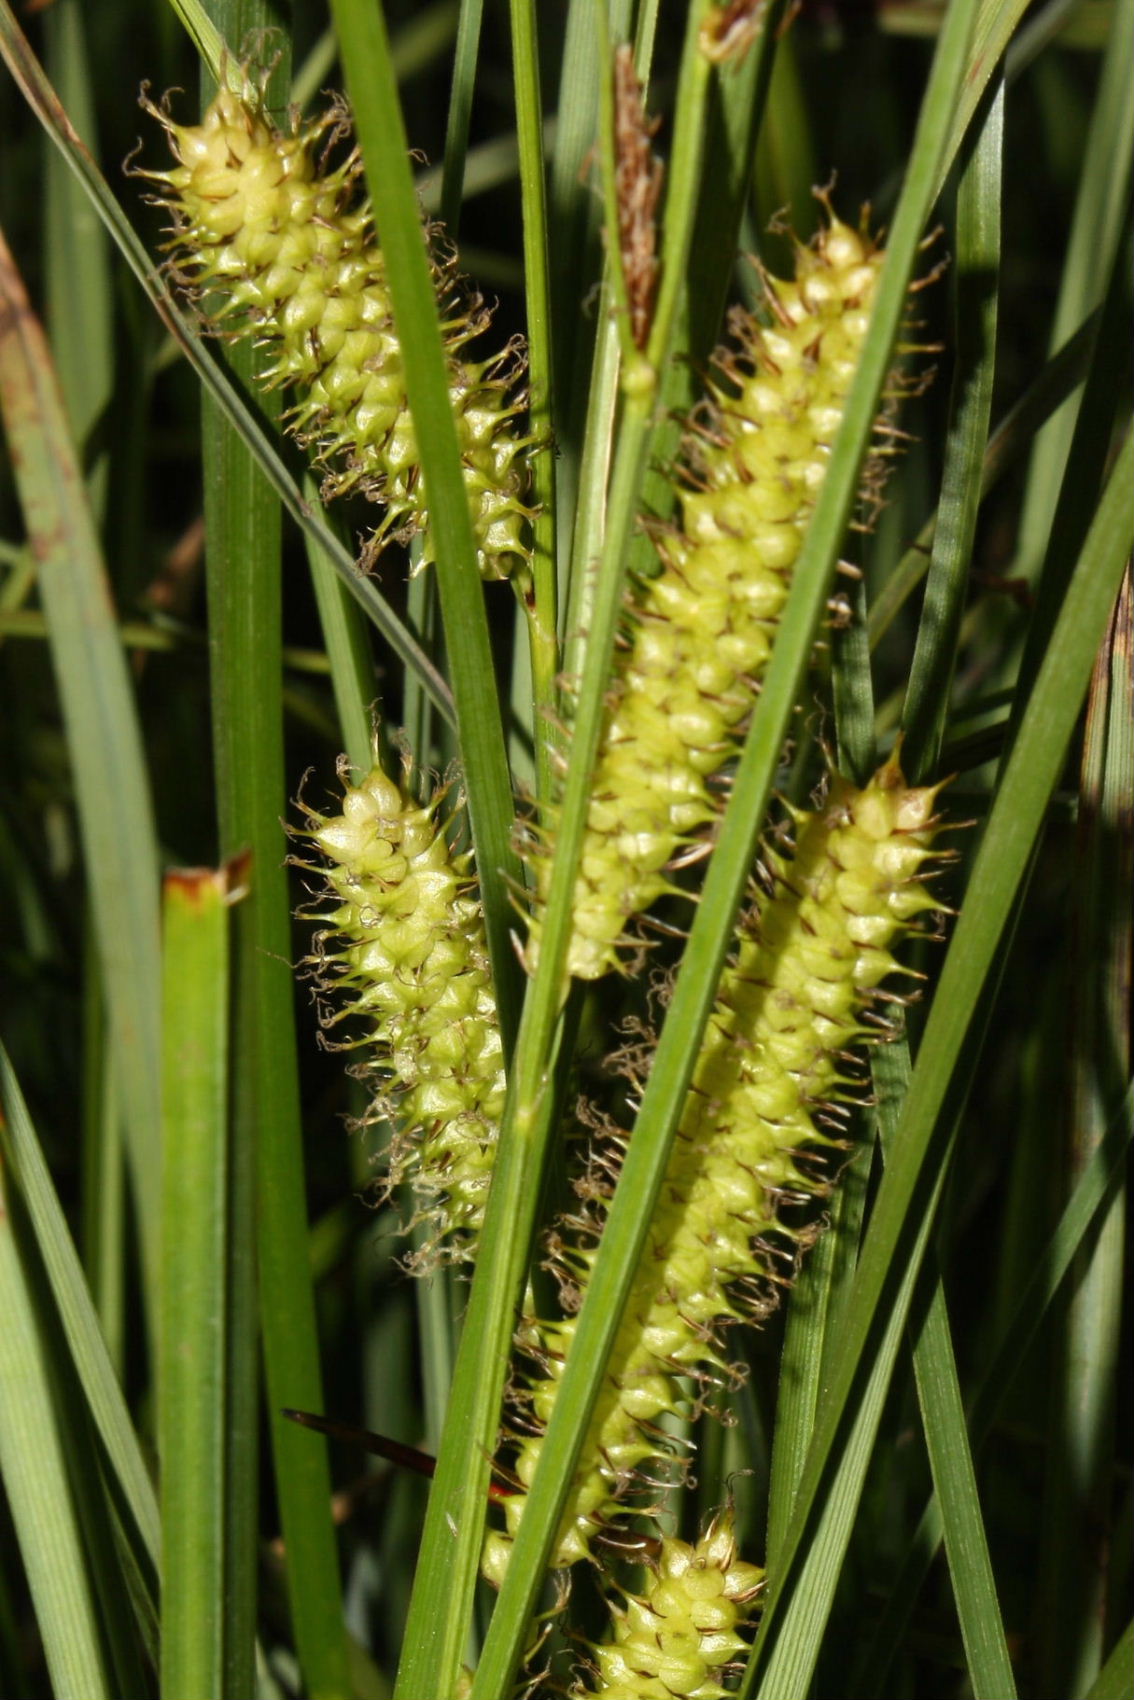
{"x":608,"y":144}
{"x":542,"y":608}
{"x":460,"y":109}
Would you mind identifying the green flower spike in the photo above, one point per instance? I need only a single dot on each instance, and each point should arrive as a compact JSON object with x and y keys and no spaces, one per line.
{"x":675,"y":1640}
{"x":773,"y":1070}
{"x":699,"y":635}
{"x":280,"y":248}
{"x":401,"y":940}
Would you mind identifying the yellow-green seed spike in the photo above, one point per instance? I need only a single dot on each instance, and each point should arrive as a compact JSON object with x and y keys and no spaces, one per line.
{"x":400,"y":956}
{"x":681,"y":1634}
{"x":279,"y":247}
{"x":699,"y":635}
{"x":772,"y":1070}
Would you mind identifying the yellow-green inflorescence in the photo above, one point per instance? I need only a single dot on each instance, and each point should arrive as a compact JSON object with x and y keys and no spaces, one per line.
{"x":280,"y":247}
{"x":682,"y":1633}
{"x":400,"y":957}
{"x":772,"y":1069}
{"x":699,"y":635}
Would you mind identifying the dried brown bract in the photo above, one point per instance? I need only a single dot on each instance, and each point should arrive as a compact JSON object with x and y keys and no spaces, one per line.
{"x":638,"y":182}
{"x":730,"y":30}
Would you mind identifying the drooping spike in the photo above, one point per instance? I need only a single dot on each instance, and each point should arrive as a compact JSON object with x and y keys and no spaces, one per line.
{"x":400,"y":957}
{"x":699,"y":635}
{"x":275,"y":245}
{"x":773,"y":1067}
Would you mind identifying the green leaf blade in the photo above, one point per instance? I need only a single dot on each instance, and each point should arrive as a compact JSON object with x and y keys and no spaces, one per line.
{"x":191,"y":1392}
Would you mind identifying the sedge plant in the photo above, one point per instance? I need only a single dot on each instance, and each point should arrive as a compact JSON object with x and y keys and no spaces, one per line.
{"x":585,"y":550}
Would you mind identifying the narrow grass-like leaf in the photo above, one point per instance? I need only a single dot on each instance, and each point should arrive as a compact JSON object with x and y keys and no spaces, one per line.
{"x":785,"y":165}
{"x":542,"y":613}
{"x":381,"y":133}
{"x":207,"y":38}
{"x":449,"y":188}
{"x":420,"y":40}
{"x":24,"y":1161}
{"x":812,"y":1324}
{"x":793,"y":1656}
{"x":267,"y":1186}
{"x":34,"y":1472}
{"x":996,"y":23}
{"x":1097,"y":1186}
{"x":1009,"y":442}
{"x":194,"y":1309}
{"x":208,"y":366}
{"x":1002,"y":860}
{"x":1099,"y":219}
{"x":573,"y":241}
{"x":1114,"y":1680}
{"x":966,"y":1545}
{"x":978,"y":246}
{"x":975,"y":287}
{"x":104,"y":1185}
{"x":100,"y":716}
{"x":1073,"y":1574}
{"x":460,"y":111}
{"x":79,"y":312}
{"x":786,"y":1671}
{"x":1104,"y":407}
{"x":447,"y":1569}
